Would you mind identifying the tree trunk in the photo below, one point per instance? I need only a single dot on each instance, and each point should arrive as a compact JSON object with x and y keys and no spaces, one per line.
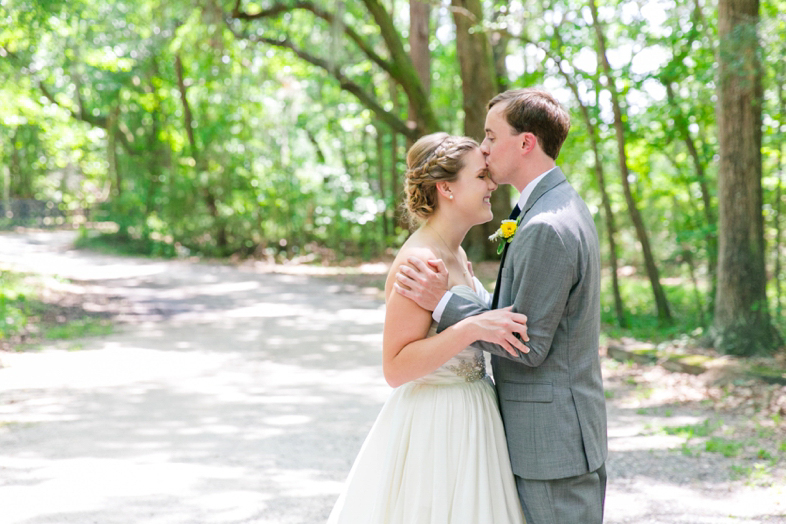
{"x":210,"y":199}
{"x":711,"y":236}
{"x":380,"y":148}
{"x":499,"y":50}
{"x":419,"y":33}
{"x":611,"y":228}
{"x":157,"y":161}
{"x":22,"y":172}
{"x":662,"y":304}
{"x":5,"y":195}
{"x":15,"y":171}
{"x":781,"y":77}
{"x":478,"y":86}
{"x":742,"y":321}
{"x":407,"y":76}
{"x":399,"y":218}
{"x":116,"y":187}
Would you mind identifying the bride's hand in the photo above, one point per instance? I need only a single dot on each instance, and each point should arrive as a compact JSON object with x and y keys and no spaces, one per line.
{"x":500,"y":326}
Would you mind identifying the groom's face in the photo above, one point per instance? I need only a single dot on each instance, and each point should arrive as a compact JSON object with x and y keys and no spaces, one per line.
{"x":501,"y":146}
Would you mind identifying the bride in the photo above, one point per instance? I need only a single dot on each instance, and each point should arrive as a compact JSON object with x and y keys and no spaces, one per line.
{"x":437,"y":451}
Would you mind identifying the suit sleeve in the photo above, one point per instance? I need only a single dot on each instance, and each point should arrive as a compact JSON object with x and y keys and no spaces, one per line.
{"x":543,"y":273}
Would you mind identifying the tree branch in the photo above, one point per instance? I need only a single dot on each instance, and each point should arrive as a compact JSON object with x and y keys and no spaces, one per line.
{"x":279,"y":9}
{"x":98,"y":121}
{"x":407,"y":77}
{"x":345,"y":83}
{"x":399,"y":66}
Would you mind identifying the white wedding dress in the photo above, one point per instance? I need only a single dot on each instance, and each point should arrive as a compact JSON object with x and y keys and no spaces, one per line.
{"x":436,"y":453}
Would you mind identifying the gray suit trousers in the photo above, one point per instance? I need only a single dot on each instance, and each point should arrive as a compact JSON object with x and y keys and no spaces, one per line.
{"x":572,"y":500}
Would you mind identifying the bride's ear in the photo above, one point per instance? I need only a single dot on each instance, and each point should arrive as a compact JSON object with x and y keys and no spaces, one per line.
{"x":443,"y":188}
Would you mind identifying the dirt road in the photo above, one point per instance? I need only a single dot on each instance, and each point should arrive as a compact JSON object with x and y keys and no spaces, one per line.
{"x":230,"y":395}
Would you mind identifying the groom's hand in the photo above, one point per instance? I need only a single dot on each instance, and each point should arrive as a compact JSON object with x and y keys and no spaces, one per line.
{"x":422,"y":283}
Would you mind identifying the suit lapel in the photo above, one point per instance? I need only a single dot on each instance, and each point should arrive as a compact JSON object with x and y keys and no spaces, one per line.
{"x":554,"y":178}
{"x":495,"y":299}
{"x":551,"y":180}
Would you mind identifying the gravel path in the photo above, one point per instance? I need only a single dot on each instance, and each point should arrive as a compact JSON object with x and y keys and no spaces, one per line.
{"x":234,"y":395}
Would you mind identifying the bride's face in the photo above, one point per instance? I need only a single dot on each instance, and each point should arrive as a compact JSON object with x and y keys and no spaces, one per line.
{"x":473,"y":187}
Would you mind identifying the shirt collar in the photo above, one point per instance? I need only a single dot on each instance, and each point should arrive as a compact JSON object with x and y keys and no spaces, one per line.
{"x":529,"y":188}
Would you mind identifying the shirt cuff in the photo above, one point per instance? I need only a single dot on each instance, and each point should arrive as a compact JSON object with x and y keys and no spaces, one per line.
{"x":443,"y":302}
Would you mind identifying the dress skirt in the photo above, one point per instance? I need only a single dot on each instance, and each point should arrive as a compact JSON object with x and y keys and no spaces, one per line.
{"x":435,"y":455}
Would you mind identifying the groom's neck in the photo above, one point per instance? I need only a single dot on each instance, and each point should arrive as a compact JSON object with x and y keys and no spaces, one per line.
{"x":533,"y":170}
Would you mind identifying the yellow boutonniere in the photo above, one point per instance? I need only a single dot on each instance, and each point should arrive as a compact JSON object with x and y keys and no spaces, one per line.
{"x":505,"y":232}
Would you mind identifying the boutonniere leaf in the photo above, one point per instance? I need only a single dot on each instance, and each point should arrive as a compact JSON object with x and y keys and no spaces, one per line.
{"x":505,"y":233}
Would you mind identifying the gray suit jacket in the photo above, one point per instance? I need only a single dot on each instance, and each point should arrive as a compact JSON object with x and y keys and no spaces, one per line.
{"x":551,"y":398}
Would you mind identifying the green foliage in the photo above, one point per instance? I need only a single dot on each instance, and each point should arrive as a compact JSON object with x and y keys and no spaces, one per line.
{"x":78,"y":328}
{"x":640,"y":311}
{"x":690,"y":431}
{"x":125,"y":242}
{"x":25,"y":318}
{"x":194,"y":132}
{"x":14,"y":304}
{"x":689,"y":451}
{"x":759,"y":448}
{"x":726,"y":447}
{"x":763,"y":454}
{"x":758,"y":474}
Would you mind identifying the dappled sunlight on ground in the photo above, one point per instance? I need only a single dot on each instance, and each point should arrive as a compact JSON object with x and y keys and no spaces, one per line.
{"x":659,"y":469}
{"x":638,"y":499}
{"x":243,"y":395}
{"x":222,"y":395}
{"x":53,"y":488}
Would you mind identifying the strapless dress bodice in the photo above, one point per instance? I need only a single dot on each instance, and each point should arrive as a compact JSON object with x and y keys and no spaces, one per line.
{"x":468,"y":365}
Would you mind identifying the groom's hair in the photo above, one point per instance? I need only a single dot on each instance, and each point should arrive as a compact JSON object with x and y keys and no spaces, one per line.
{"x":535,"y":111}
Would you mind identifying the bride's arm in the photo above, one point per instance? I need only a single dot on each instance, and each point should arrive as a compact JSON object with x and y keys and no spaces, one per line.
{"x":407,"y":351}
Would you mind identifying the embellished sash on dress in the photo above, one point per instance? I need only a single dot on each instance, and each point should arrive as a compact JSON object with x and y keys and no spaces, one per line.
{"x":467,"y":366}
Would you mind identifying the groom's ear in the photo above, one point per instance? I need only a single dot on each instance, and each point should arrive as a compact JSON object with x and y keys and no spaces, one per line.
{"x":528,"y":142}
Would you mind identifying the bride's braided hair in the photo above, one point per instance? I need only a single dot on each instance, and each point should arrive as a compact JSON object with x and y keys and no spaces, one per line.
{"x":433,"y":158}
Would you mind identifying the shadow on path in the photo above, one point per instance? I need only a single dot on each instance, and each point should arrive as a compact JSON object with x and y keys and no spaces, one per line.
{"x":230,"y":396}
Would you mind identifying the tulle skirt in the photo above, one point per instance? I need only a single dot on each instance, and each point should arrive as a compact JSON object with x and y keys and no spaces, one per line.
{"x":435,"y":455}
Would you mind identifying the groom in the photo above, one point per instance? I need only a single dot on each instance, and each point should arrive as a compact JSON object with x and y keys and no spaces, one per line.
{"x":551,"y":398}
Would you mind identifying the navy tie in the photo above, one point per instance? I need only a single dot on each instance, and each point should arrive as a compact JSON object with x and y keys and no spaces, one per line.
{"x":495,"y":300}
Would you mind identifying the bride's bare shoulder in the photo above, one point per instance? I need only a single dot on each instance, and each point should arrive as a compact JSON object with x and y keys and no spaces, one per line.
{"x":413,"y":247}
{"x":416,"y":246}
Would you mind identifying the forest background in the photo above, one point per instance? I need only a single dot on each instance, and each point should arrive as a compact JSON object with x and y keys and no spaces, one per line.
{"x":278,"y":130}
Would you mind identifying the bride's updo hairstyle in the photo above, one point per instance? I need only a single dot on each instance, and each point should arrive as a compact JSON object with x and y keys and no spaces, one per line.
{"x":433,"y":158}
